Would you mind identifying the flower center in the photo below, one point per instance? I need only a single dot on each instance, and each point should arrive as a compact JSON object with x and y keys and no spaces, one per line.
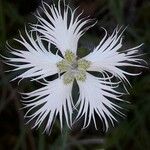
{"x":74,"y":68}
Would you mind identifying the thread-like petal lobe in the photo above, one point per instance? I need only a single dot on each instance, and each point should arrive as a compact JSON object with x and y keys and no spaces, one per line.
{"x":62,"y":26}
{"x":107,"y":57}
{"x":94,"y":94}
{"x":48,"y":102}
{"x":39,"y":61}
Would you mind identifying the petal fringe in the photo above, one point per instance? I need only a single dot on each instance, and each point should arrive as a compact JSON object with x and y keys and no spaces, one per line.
{"x":48,"y":102}
{"x":107,"y":57}
{"x":63,"y":27}
{"x":94,"y":94}
{"x":38,"y":59}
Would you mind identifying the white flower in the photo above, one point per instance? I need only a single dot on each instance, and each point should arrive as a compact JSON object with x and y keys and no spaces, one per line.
{"x":63,"y":28}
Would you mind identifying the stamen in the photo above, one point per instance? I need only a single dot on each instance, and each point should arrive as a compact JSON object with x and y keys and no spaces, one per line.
{"x":81,"y":75}
{"x":62,"y":66}
{"x":83,"y":64}
{"x":68,"y":78}
{"x":70,"y":56}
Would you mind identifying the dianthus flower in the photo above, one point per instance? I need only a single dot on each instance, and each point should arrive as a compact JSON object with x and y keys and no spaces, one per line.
{"x":62,"y":28}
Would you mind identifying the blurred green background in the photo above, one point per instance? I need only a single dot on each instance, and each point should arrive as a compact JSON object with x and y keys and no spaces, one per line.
{"x":132,"y":133}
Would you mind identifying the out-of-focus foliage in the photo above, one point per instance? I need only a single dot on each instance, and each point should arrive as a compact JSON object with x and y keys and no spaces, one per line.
{"x":132,"y":133}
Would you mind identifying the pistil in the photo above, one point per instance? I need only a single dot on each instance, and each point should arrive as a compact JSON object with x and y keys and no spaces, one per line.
{"x":73,"y":68}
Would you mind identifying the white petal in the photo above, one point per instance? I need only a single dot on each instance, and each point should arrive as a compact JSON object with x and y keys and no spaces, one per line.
{"x":94,"y":94}
{"x":39,"y":61}
{"x":50,"y":101}
{"x":62,"y":27}
{"x":106,"y":56}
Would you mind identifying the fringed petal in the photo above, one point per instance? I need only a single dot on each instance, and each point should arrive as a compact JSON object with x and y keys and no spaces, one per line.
{"x":39,"y":61}
{"x":106,"y":57}
{"x":48,"y":102}
{"x":63,"y":27}
{"x":94,"y":98}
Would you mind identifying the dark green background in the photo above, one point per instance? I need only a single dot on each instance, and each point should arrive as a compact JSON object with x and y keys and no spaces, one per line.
{"x":132,"y":133}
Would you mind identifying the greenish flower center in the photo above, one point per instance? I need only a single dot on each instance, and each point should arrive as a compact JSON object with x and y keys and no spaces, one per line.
{"x":74,"y":68}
